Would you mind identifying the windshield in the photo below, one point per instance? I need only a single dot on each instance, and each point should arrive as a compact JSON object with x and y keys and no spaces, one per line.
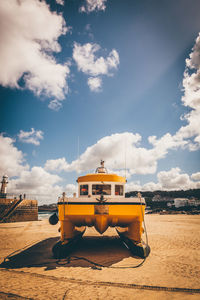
{"x":83,"y":189}
{"x":99,"y":189}
{"x":119,"y":190}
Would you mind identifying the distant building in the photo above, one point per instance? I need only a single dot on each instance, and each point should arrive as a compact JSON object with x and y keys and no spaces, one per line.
{"x":180,"y":202}
{"x":158,"y":198}
{"x":193,"y":202}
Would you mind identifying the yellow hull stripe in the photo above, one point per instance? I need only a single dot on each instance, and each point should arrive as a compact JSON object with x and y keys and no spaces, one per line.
{"x":89,"y":210}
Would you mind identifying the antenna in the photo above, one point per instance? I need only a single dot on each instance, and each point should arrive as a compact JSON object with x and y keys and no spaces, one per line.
{"x":78,"y":149}
{"x":78,"y":162}
{"x":78,"y":154}
{"x":125,"y":159}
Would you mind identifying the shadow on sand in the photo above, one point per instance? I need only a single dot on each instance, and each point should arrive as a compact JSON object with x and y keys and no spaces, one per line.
{"x":89,"y":252}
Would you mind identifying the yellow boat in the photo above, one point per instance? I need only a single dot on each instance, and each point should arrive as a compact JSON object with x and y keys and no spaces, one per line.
{"x":101,"y":203}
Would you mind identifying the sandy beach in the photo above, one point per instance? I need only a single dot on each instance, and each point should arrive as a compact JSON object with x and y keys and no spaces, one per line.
{"x":172,"y":271}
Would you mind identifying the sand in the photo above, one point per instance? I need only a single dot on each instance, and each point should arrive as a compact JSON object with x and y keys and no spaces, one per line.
{"x":172,"y":271}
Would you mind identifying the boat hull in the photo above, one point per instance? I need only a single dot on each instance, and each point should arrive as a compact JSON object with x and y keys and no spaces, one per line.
{"x":114,"y":214}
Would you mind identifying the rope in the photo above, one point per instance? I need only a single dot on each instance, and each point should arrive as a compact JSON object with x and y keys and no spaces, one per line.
{"x":145,"y":229}
{"x":96,"y":266}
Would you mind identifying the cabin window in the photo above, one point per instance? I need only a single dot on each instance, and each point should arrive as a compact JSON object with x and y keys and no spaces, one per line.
{"x":119,"y":190}
{"x":83,"y":189}
{"x":99,"y":189}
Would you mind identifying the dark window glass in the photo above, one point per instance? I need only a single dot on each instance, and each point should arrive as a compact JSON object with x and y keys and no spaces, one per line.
{"x":83,"y":189}
{"x":119,"y":190}
{"x":99,"y":189}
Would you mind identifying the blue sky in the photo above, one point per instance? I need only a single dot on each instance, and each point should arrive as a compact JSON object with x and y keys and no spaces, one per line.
{"x":87,"y":80}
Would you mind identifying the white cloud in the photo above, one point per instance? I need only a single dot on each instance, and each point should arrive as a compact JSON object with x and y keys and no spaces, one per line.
{"x":191,"y":132}
{"x":196,"y":176}
{"x":61,"y":2}
{"x":173,"y":180}
{"x":38,"y":184}
{"x":191,"y":98}
{"x":33,"y":179}
{"x":31,"y":137}
{"x":113,"y":150}
{"x":133,"y":186}
{"x":55,"y":105}
{"x":121,"y":172}
{"x":11,"y":159}
{"x":29,"y":34}
{"x":194,"y":61}
{"x":94,"y":84}
{"x":151,"y":186}
{"x":168,"y":181}
{"x":88,"y":62}
{"x":58,"y":165}
{"x":191,"y":86}
{"x":70,"y":189}
{"x":166,"y":143}
{"x":93,"y":5}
